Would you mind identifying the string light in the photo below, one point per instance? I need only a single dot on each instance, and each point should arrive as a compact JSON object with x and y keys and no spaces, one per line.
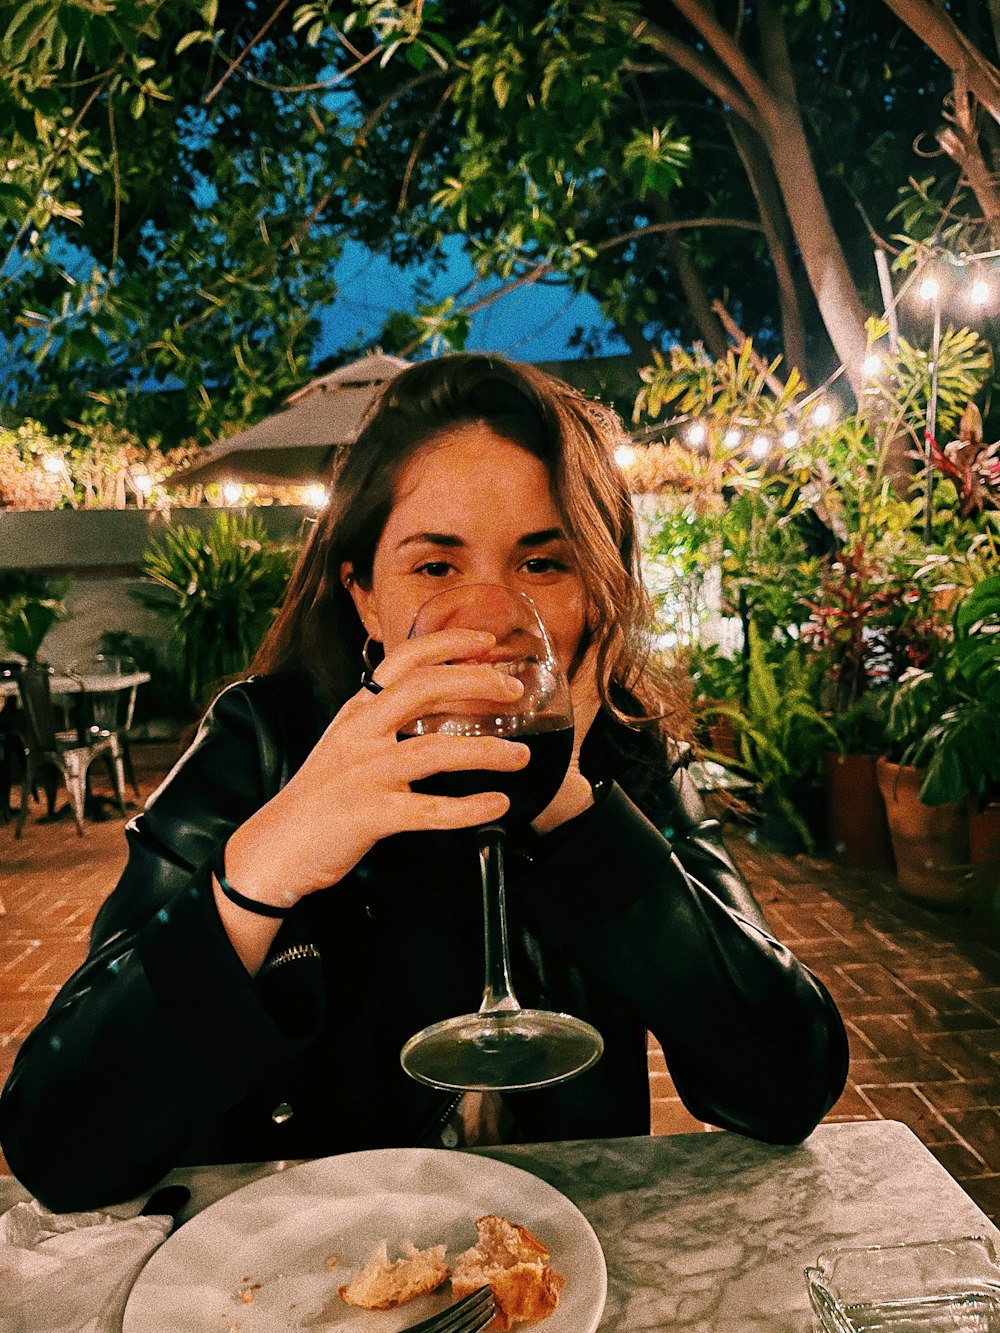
{"x":231,"y":492}
{"x":980,"y":293}
{"x":53,"y":464}
{"x":815,"y":409}
{"x":316,"y":496}
{"x":142,"y":482}
{"x":625,"y":456}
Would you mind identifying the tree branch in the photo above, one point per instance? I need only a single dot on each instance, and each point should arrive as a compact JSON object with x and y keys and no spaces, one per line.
{"x":741,"y":340}
{"x":778,"y":233}
{"x":677,"y":224}
{"x":691,"y":283}
{"x":735,"y":61}
{"x":322,"y":84}
{"x":235,"y":64}
{"x":375,"y":116}
{"x":709,"y":76}
{"x":939,"y":31}
{"x":411,"y":161}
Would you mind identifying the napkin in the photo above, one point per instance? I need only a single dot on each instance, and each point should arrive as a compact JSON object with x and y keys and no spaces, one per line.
{"x":70,"y":1272}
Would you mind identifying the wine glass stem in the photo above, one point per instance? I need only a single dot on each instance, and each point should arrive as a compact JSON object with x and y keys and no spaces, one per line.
{"x":498,"y":994}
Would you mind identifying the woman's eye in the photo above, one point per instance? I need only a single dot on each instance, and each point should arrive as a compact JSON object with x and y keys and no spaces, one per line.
{"x":436,"y":569}
{"x":543,"y":564}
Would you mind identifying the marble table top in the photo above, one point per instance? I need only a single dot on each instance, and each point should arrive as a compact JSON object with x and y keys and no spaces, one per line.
{"x":710,"y":1233}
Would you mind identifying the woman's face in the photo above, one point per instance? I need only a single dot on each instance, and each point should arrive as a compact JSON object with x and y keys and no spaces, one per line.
{"x":473,"y":507}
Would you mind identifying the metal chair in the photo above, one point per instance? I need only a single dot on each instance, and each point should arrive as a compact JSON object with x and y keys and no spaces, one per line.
{"x":12,"y":746}
{"x":52,"y":754}
{"x":108,"y":709}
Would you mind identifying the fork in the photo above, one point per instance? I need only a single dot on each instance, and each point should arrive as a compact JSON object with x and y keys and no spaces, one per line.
{"x":469,"y":1315}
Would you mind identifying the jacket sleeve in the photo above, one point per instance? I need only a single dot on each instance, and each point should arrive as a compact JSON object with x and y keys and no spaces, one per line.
{"x":162,"y":1023}
{"x":752,"y":1039}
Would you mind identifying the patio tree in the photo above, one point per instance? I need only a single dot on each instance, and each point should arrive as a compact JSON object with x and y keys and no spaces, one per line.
{"x":156,"y":224}
{"x":208,"y":159}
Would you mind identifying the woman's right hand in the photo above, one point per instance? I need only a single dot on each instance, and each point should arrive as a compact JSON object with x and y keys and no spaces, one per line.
{"x":354,"y":788}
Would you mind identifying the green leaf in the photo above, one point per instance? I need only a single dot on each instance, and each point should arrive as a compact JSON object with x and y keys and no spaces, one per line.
{"x":190,"y":38}
{"x":416,"y":55}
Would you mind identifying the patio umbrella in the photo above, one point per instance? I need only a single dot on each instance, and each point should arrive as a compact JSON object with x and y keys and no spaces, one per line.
{"x":297,"y":443}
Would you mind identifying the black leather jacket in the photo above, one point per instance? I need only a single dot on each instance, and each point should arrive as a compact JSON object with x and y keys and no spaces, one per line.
{"x":161,"y":1050}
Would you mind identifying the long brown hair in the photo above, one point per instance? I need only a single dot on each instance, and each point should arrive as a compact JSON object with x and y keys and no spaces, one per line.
{"x":318,"y":629}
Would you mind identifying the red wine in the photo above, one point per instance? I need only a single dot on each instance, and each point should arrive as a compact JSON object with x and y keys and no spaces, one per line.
{"x":530,"y":789}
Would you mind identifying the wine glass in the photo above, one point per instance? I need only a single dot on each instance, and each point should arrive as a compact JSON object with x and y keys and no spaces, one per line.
{"x":502,"y":1046}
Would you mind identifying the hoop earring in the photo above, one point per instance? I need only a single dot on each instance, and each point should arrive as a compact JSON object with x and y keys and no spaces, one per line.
{"x":367,"y":680}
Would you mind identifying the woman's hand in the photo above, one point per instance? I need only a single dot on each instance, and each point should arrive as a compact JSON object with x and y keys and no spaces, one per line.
{"x":354,"y":788}
{"x":575,"y":794}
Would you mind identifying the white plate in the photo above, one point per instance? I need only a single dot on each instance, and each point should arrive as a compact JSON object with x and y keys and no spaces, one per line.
{"x":278,"y":1232}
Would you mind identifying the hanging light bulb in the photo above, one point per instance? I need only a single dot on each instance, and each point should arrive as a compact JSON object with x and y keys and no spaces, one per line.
{"x":980,"y":292}
{"x":790,"y":438}
{"x":697,"y":434}
{"x":930,"y":289}
{"x":760,"y":446}
{"x":872,"y":366}
{"x":823,"y":414}
{"x":625,"y":455}
{"x":732,"y":437}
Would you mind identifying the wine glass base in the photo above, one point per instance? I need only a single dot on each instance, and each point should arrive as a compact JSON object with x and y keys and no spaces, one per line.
{"x":526,"y":1048}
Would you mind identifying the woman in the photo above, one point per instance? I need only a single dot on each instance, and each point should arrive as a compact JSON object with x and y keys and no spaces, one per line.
{"x":292,"y":911}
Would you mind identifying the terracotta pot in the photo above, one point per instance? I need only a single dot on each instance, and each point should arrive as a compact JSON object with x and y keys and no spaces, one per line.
{"x":984,"y":835}
{"x":984,"y":853}
{"x":855,"y":813}
{"x":722,"y":737}
{"x":930,"y":842}
{"x":718,"y":733}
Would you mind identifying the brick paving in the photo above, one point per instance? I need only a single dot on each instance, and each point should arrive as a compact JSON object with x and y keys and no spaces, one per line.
{"x":919,"y":990}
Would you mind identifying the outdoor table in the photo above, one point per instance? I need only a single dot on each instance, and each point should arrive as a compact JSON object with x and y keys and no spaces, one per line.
{"x":61,"y":683}
{"x":710,"y":1233}
{"x":84,"y":686}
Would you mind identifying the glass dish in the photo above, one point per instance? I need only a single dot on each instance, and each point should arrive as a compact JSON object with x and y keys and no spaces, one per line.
{"x":919,"y":1287}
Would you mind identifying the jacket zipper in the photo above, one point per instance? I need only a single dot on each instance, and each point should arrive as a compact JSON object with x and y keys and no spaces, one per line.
{"x":293,"y":954}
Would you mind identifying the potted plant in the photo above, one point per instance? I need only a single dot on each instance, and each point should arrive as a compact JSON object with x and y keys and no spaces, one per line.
{"x":781,"y":735}
{"x":220,"y":590}
{"x":949,"y":714}
{"x":29,"y":607}
{"x":872,"y":619}
{"x":717,"y":682}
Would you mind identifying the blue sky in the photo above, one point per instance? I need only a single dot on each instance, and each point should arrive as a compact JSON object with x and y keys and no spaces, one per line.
{"x":533,"y":323}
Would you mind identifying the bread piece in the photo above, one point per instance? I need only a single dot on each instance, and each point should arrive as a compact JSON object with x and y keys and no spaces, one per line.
{"x":513,"y":1261}
{"x":384,"y":1283}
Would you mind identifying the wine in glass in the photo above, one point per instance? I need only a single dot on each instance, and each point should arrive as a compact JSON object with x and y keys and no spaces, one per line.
{"x":502,"y":1046}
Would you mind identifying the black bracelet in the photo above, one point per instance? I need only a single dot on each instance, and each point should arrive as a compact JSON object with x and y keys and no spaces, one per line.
{"x":240,"y":899}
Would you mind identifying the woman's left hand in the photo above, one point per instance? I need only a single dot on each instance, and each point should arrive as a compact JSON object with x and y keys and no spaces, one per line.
{"x":575,"y":794}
